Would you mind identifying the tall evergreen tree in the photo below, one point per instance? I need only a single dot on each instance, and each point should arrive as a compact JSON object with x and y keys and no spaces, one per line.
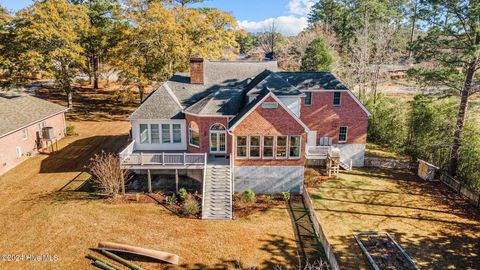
{"x":317,"y":57}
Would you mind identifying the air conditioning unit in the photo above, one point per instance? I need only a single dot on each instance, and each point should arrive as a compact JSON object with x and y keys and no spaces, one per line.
{"x":48,"y":133}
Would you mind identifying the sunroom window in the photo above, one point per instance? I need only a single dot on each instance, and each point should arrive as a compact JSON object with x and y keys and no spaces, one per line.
{"x":254,"y":146}
{"x":241,"y":146}
{"x":295,"y":146}
{"x":268,"y":147}
{"x":177,"y":133}
{"x":166,"y":133}
{"x":155,"y":133}
{"x":144,"y":139}
{"x":281,"y":147}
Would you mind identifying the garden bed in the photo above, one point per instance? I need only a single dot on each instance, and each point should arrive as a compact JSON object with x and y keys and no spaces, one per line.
{"x":262,"y":202}
{"x":383,"y":252}
{"x":174,"y":205}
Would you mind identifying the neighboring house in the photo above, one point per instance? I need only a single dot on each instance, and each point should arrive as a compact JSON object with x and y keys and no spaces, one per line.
{"x":265,"y":124}
{"x":22,"y":120}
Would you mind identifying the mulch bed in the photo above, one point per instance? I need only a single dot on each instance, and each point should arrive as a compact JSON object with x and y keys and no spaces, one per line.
{"x":262,"y":203}
{"x":155,"y":198}
{"x":384,"y":252}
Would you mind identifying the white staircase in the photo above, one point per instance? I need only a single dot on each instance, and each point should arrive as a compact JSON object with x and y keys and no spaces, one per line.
{"x":217,"y":194}
{"x":346,"y":165}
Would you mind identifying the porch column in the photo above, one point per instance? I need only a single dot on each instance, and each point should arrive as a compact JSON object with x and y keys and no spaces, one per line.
{"x":149,"y":180}
{"x":176,"y":181}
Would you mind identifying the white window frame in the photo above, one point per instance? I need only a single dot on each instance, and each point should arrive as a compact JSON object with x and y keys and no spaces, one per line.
{"x":140,"y":133}
{"x":171,"y":135}
{"x":305,"y":99}
{"x":299,"y":147}
{"x":25,"y":134}
{"x":259,"y":146}
{"x":270,"y":105}
{"x":346,"y":134}
{"x":246,"y":145}
{"x":276,"y":147}
{"x":190,"y":131}
{"x":339,"y":99}
{"x":263,"y":147}
{"x":150,"y":134}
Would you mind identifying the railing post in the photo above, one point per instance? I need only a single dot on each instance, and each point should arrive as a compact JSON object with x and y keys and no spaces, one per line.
{"x":141,"y":158}
{"x":163,"y":158}
{"x":184,"y":158}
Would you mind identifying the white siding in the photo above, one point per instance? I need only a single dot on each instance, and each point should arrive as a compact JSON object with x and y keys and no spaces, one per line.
{"x":160,"y":146}
{"x":293,"y":103}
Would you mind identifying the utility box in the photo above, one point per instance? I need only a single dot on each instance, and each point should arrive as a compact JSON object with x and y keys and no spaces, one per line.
{"x":48,"y":133}
{"x":426,"y":170}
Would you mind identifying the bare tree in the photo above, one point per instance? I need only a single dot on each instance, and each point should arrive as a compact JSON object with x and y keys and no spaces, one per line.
{"x":107,"y":175}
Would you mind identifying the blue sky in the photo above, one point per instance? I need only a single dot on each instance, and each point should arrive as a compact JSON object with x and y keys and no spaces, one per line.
{"x":252,"y":15}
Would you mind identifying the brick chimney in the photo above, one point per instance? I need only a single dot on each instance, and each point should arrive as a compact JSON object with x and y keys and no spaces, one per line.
{"x":197,"y":70}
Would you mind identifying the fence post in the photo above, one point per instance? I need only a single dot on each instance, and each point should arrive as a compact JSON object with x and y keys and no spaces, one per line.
{"x":184,"y":158}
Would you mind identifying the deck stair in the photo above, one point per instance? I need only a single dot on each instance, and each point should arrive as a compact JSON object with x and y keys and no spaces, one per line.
{"x":217,"y":197}
{"x":346,"y":165}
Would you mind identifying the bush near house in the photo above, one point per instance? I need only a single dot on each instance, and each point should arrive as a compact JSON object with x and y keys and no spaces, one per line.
{"x":106,"y":172}
{"x":190,"y":205}
{"x":248,"y":196}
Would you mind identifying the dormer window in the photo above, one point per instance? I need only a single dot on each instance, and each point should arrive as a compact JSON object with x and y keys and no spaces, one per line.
{"x":269,"y":105}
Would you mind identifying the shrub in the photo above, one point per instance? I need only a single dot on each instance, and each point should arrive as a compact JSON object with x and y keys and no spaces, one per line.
{"x":182,"y":193}
{"x":171,"y":199}
{"x":71,"y":130}
{"x":286,"y":196}
{"x":124,"y":95}
{"x":190,"y":205}
{"x":248,"y":196}
{"x":269,"y":199}
{"x":106,"y":172}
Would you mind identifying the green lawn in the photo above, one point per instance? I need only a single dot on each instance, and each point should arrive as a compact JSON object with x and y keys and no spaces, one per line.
{"x":436,"y":227}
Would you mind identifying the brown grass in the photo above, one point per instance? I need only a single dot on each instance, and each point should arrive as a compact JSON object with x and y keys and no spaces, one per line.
{"x":45,"y":210}
{"x":381,"y":151}
{"x":436,"y":227}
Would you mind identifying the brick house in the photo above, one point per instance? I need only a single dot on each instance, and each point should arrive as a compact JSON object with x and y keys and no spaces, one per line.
{"x":24,"y":119}
{"x":237,"y":125}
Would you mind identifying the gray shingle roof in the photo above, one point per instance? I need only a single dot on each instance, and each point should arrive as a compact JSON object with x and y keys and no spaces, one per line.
{"x":261,"y":94}
{"x":312,"y":80}
{"x":17,"y":111}
{"x":160,"y":104}
{"x":225,"y":101}
{"x":274,"y":82}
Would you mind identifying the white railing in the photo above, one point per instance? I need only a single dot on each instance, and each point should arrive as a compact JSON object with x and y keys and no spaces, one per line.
{"x":317,"y":151}
{"x":231,"y":182}
{"x":128,"y":150}
{"x":161,"y":158}
{"x":204,"y":180}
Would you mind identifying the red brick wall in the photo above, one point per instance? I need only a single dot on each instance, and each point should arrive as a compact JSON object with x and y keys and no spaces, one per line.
{"x":326,"y":119}
{"x":270,"y":122}
{"x":9,"y":143}
{"x":204,"y":124}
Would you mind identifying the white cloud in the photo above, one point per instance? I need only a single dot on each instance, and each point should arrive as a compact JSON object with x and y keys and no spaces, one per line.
{"x":300,"y":7}
{"x":287,"y":25}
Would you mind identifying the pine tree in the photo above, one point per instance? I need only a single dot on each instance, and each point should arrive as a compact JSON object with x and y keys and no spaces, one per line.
{"x":317,"y":57}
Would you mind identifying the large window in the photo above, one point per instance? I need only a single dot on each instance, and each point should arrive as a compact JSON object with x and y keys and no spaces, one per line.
{"x":241,"y":146}
{"x":166,"y":133}
{"x":155,"y":133}
{"x":254,"y":146}
{"x":193,"y":134}
{"x":281,"y":147}
{"x":295,"y":146}
{"x":337,"y":98}
{"x":144,"y":134}
{"x":308,"y":99}
{"x":268,"y":147}
{"x":177,"y":133}
{"x":342,"y":134}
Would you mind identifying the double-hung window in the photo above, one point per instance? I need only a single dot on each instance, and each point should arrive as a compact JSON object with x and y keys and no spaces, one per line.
{"x":25,"y":134}
{"x":268,"y":146}
{"x":254,"y":146}
{"x":281,"y":147}
{"x":342,"y":134}
{"x":308,"y":99}
{"x":166,"y":133}
{"x":242,"y":146}
{"x":177,"y":133}
{"x":295,"y":146}
{"x":144,"y":136}
{"x":193,"y":134}
{"x":337,"y":98}
{"x":154,"y":133}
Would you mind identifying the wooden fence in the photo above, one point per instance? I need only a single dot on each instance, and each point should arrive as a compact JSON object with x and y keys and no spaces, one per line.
{"x":319,"y":231}
{"x":472,"y":196}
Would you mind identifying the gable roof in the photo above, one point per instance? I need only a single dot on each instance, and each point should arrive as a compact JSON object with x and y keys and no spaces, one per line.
{"x":274,"y":82}
{"x":225,"y":101}
{"x":262,"y":96}
{"x":312,"y":80}
{"x":21,"y":110}
{"x":160,"y":104}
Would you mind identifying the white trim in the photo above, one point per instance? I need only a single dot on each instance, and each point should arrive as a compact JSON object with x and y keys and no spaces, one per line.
{"x":236,"y":147}
{"x":206,"y":115}
{"x":279,"y":102}
{"x":299,"y":146}
{"x":286,"y":148}
{"x":346,"y":135}
{"x":263,"y":147}
{"x":217,"y":132}
{"x":33,"y":123}
{"x":342,"y":90}
{"x":259,"y":147}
